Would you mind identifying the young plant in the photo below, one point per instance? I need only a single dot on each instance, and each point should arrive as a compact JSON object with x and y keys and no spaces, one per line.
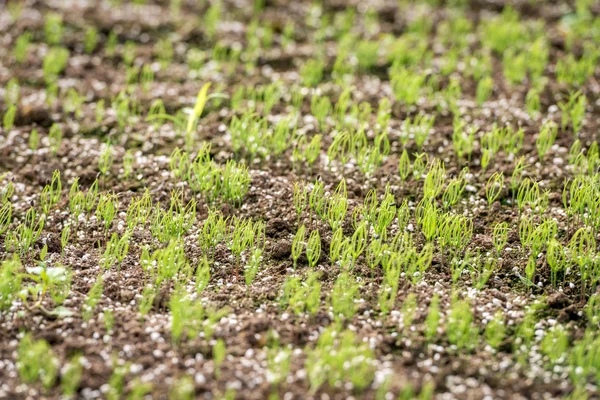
{"x":71,"y":375}
{"x":300,"y":200}
{"x":93,"y":298}
{"x":36,"y":361}
{"x":313,"y":248}
{"x":219,"y":352}
{"x":500,"y":236}
{"x":494,"y":187}
{"x":495,"y":331}
{"x":298,"y":244}
{"x":432,"y":321}
{"x":55,"y":138}
{"x":546,"y":138}
{"x":460,"y":329}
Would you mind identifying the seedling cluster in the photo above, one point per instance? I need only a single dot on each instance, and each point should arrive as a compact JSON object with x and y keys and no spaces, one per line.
{"x":275,"y":200}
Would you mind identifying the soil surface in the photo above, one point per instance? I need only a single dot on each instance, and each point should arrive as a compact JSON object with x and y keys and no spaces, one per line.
{"x":184,"y":50}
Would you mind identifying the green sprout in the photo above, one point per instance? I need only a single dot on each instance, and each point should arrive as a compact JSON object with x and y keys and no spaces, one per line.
{"x":313,"y":248}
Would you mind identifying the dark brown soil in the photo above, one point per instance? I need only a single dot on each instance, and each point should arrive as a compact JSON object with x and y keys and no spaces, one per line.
{"x":402,"y":353}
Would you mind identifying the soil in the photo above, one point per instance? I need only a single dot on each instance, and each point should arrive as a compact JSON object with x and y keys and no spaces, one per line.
{"x":401,"y":352}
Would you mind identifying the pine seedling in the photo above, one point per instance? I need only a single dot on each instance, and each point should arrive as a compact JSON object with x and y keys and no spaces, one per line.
{"x":71,"y":375}
{"x":213,"y":231}
{"x":300,"y":199}
{"x":252,"y":268}
{"x":21,"y":47}
{"x":311,"y":72}
{"x":34,"y":140}
{"x":434,"y":180}
{"x":389,"y":287}
{"x":313,"y":248}
{"x":27,"y":233}
{"x":343,"y":296}
{"x":339,"y":357}
{"x":182,"y":389}
{"x":494,"y":187}
{"x":460,"y":329}
{"x":219,"y":352}
{"x":455,"y":189}
{"x":546,"y":138}
{"x":55,"y":138}
{"x":556,"y":259}
{"x":12,"y":92}
{"x":408,"y":311}
{"x":202,"y":275}
{"x":51,"y":193}
{"x":36,"y":361}
{"x":93,"y":297}
{"x":530,"y":269}
{"x":404,"y":166}
{"x":9,"y":118}
{"x":427,"y":218}
{"x":582,"y":248}
{"x":500,"y":236}
{"x":108,"y":206}
{"x":316,"y":199}
{"x":485,"y":87}
{"x":482,"y":271}
{"x":5,"y":216}
{"x":128,"y":160}
{"x":10,"y":281}
{"x":336,"y":210}
{"x":65,"y":235}
{"x":420,"y":164}
{"x":106,"y":159}
{"x":116,"y":250}
{"x":573,"y":112}
{"x":147,"y":300}
{"x":555,"y":344}
{"x":432,"y":321}
{"x":495,"y":331}
{"x":298,"y":244}
{"x":54,"y":29}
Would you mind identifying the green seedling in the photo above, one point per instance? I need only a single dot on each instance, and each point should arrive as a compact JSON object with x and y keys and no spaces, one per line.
{"x":301,"y":296}
{"x":219,"y":352}
{"x":313,"y":248}
{"x":546,"y":138}
{"x":21,"y":47}
{"x":298,"y":244}
{"x":300,"y":199}
{"x":432,"y":321}
{"x":494,"y":187}
{"x":500,"y":236}
{"x":339,"y":357}
{"x":495,"y":331}
{"x":93,"y":298}
{"x":573,"y":112}
{"x":10,"y":281}
{"x":460,"y":329}
{"x":36,"y":362}
{"x":55,"y":138}
{"x":343,"y":296}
